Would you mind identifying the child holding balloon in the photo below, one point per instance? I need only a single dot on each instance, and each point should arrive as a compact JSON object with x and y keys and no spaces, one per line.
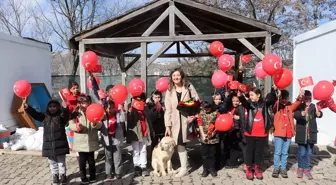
{"x":306,"y":133}
{"x":139,"y":133}
{"x":209,"y":138}
{"x":55,"y":143}
{"x":112,"y":138}
{"x":258,"y":123}
{"x":86,"y":140}
{"x":284,"y":130}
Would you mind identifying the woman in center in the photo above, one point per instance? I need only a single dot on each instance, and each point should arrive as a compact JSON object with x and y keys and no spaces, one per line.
{"x":176,"y":123}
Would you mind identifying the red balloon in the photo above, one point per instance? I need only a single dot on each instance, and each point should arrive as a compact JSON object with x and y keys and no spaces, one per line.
{"x":224,"y":122}
{"x":283,"y":78}
{"x":89,"y":83}
{"x":162,"y":84}
{"x":95,"y":113}
{"x":271,"y":64}
{"x":216,"y":48}
{"x":219,"y":79}
{"x":119,"y":93}
{"x":22,"y":88}
{"x":245,"y":58}
{"x":260,"y":73}
{"x":136,"y":87}
{"x":225,"y":62}
{"x":323,"y":90}
{"x":89,"y":60}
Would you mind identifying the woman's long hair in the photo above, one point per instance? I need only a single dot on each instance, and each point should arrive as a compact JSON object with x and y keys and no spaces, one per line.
{"x":184,"y":82}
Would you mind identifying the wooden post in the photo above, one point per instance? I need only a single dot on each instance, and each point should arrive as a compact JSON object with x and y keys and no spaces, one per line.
{"x":268,"y":79}
{"x":144,"y":64}
{"x":178,"y":50}
{"x":122,"y":69}
{"x":82,"y":71}
{"x":171,"y":18}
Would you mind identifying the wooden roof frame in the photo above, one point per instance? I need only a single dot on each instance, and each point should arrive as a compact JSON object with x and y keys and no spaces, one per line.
{"x":83,"y":39}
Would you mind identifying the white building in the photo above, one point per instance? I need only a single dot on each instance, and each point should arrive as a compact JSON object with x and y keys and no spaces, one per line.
{"x":22,"y":59}
{"x":315,"y":55}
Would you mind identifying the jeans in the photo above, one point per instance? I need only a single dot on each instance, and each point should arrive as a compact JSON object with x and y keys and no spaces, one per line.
{"x":281,"y":146}
{"x":89,"y":158}
{"x":208,"y":155}
{"x":305,"y":153}
{"x":140,"y":153}
{"x":254,"y":150}
{"x":57,"y":165}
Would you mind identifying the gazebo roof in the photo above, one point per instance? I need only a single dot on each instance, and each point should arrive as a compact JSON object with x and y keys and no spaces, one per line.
{"x":207,"y":19}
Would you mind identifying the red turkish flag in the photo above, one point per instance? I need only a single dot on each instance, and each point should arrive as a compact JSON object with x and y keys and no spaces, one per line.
{"x":64,"y":93}
{"x":138,"y":105}
{"x":245,"y":58}
{"x":305,"y":82}
{"x":233,"y":85}
{"x":229,"y":78}
{"x":97,"y":69}
{"x":244,"y":88}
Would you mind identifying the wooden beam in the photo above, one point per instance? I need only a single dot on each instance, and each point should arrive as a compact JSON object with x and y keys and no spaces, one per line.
{"x":229,"y":15}
{"x":132,"y":62}
{"x":157,"y":22}
{"x":178,"y":48}
{"x":82,"y":71}
{"x":175,"y":38}
{"x":122,"y":19}
{"x":182,"y":55}
{"x":123,"y":78}
{"x":121,"y":61}
{"x":163,"y":49}
{"x":144,"y":64}
{"x":171,"y":18}
{"x":268,"y":79}
{"x":247,"y":44}
{"x":187,"y":22}
{"x":187,"y":47}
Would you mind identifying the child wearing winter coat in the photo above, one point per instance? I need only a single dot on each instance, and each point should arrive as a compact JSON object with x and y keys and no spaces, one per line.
{"x":112,"y":138}
{"x":55,"y":143}
{"x":306,"y":133}
{"x":259,"y":121}
{"x":209,"y":138}
{"x":156,"y":117}
{"x":86,"y":140}
{"x":139,"y":133}
{"x":284,"y":130}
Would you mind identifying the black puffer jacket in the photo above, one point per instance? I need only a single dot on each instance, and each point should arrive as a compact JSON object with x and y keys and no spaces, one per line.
{"x":266,"y":107}
{"x":301,"y":125}
{"x":54,"y":137}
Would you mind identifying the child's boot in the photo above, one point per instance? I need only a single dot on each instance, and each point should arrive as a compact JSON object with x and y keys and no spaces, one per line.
{"x":307,"y":173}
{"x":299,"y":173}
{"x":249,"y":173}
{"x":63,"y":179}
{"x":205,"y":172}
{"x":55,"y":179}
{"x":213,"y":172}
{"x":258,"y":172}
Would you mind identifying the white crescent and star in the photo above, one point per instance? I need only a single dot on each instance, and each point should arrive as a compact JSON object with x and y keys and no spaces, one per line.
{"x":303,"y":82}
{"x":277,"y":65}
{"x":259,"y":65}
{"x":220,"y":48}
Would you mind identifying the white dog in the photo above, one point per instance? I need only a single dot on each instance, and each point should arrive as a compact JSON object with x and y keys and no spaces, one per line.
{"x":161,"y":157}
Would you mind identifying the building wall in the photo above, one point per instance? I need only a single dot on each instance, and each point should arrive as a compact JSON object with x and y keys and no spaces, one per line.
{"x":314,"y":55}
{"x":21,"y":59}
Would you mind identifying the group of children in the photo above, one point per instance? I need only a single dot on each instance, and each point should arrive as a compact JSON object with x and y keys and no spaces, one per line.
{"x":253,"y":116}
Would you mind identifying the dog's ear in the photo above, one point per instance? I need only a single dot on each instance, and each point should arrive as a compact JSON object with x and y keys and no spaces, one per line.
{"x":173,"y":143}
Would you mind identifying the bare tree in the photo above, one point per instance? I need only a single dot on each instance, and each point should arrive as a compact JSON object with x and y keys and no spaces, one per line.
{"x":13,"y":17}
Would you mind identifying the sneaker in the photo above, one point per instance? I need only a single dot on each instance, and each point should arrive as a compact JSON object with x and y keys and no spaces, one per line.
{"x":63,"y":179}
{"x":85,"y":180}
{"x":258,"y":172}
{"x":55,"y":179}
{"x":308,"y":174}
{"x":144,"y":172}
{"x":213,"y":172}
{"x":283,"y":173}
{"x":118,"y":176}
{"x":205,"y":172}
{"x":249,"y":173}
{"x":275,"y":173}
{"x":299,"y":173}
{"x":137,"y":171}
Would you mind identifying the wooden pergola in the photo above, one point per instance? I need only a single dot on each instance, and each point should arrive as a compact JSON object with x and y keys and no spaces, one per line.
{"x":174,"y":22}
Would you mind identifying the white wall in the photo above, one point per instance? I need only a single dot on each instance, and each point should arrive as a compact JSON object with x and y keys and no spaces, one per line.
{"x":21,"y":59}
{"x":315,"y":55}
